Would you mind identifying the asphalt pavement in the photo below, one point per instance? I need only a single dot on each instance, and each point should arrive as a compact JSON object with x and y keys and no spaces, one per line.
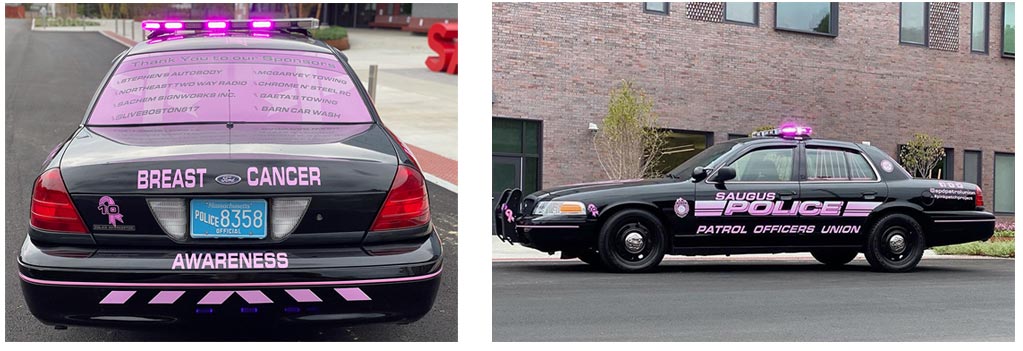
{"x":50,"y":79}
{"x":749,"y":300}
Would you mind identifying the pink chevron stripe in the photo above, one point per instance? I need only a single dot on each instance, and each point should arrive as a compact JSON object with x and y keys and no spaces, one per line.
{"x":166,"y":297}
{"x":222,"y":285}
{"x":303,"y":295}
{"x":117,"y":297}
{"x":215,"y":297}
{"x":254,"y":296}
{"x":352,"y":294}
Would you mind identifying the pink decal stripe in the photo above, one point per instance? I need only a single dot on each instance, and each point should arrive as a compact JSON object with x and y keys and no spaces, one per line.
{"x":853,"y":205}
{"x":303,"y":295}
{"x":254,"y":296}
{"x":228,"y":285}
{"x":117,"y":297}
{"x":352,"y":294}
{"x":166,"y":297}
{"x":215,"y":297}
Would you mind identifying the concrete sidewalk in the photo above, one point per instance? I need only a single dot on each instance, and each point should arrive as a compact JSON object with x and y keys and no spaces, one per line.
{"x":419,"y":105}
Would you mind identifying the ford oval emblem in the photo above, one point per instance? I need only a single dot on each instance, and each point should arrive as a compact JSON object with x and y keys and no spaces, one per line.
{"x":228,"y":179}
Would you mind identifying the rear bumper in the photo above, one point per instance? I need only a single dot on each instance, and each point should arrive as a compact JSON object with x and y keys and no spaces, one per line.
{"x":328,"y":286}
{"x":957,"y":227}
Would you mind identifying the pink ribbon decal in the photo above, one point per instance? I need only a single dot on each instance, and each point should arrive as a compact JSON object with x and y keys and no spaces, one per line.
{"x":593,"y":210}
{"x":111,"y":210}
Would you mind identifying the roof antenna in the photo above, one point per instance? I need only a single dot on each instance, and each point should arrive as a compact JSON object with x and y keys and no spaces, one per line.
{"x":230,"y":123}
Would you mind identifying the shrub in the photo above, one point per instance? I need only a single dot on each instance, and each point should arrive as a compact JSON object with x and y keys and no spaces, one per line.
{"x":629,"y":143}
{"x":329,"y":33}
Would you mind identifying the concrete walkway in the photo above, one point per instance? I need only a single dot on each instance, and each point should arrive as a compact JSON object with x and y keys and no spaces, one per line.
{"x":419,"y":105}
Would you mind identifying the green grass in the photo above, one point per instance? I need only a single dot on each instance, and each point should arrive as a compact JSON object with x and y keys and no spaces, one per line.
{"x":1005,"y":248}
{"x":329,"y":33}
{"x":64,"y":22}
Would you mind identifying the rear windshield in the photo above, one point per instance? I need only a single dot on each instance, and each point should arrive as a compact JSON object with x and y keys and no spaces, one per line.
{"x":269,"y":86}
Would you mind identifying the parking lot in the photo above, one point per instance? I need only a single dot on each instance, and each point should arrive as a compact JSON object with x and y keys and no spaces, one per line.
{"x":50,"y":80}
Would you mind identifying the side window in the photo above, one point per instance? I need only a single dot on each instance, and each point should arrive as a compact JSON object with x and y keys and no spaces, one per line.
{"x":831,"y":164}
{"x":859,"y":168}
{"x":825,"y":164}
{"x":764,"y":165}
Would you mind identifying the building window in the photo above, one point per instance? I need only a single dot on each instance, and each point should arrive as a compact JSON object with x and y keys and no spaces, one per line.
{"x":942,"y":170}
{"x":807,"y":17}
{"x":742,"y":12}
{"x":978,"y":27}
{"x":660,"y":8}
{"x":972,"y":166}
{"x":1009,"y":29}
{"x":733,"y":136}
{"x":680,"y":146}
{"x":516,"y":155}
{"x":1005,"y":185}
{"x":913,"y":23}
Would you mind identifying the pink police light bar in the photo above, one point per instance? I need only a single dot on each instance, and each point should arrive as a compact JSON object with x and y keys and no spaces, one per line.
{"x":789,"y":131}
{"x":216,"y":24}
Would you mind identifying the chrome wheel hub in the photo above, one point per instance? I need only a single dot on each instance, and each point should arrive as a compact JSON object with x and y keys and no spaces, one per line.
{"x":897,"y":244}
{"x":634,"y":242}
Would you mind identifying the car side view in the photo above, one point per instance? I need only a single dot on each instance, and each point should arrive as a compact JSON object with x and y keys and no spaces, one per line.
{"x":230,"y":173}
{"x":779,"y":191}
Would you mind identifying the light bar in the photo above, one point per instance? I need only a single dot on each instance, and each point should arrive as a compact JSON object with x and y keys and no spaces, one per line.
{"x":217,"y":24}
{"x":790,"y":131}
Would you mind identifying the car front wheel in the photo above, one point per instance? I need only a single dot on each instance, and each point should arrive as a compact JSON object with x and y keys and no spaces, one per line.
{"x":834,"y":257}
{"x":895,"y":244}
{"x":632,"y":241}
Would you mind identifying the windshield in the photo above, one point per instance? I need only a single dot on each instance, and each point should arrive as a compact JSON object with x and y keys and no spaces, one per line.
{"x":708,"y":159}
{"x":269,"y":86}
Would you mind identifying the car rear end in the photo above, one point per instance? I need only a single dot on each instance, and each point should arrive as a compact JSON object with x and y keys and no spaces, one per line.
{"x":262,"y":205}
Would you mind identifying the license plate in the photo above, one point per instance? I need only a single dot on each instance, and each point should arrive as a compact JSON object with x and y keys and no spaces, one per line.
{"x":238,"y":219}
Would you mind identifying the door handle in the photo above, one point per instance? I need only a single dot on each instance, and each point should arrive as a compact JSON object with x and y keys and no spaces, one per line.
{"x":786,"y":196}
{"x":869,"y":195}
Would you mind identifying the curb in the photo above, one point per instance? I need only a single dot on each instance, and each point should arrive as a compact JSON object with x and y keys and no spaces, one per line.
{"x":437,"y":169}
{"x":742,"y":258}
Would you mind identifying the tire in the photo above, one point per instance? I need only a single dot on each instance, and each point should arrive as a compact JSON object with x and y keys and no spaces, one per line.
{"x":834,"y":257}
{"x":647,"y":248}
{"x":882,"y":248}
{"x":591,"y":257}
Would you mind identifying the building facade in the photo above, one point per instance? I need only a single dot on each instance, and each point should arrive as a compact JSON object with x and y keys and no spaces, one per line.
{"x":863,"y":72}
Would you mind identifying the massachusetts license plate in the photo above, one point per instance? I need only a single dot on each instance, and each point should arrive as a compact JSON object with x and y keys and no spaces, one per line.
{"x":241,"y":219}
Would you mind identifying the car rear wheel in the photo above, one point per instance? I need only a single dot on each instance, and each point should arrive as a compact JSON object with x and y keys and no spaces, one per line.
{"x":632,"y":241}
{"x":895,"y":244}
{"x":834,"y":257}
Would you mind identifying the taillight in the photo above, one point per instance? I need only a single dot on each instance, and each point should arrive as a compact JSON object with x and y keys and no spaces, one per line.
{"x":979,"y":199}
{"x":407,"y":204}
{"x":52,"y":209}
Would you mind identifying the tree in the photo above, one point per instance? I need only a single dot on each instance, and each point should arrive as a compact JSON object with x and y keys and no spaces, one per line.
{"x":920,"y":155}
{"x":628,"y":144}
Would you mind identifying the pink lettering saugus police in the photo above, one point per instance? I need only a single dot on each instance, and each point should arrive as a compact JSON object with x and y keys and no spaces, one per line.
{"x":230,"y":260}
{"x":764,"y":204}
{"x":190,"y":178}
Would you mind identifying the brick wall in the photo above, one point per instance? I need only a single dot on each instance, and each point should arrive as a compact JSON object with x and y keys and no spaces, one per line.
{"x":557,"y":62}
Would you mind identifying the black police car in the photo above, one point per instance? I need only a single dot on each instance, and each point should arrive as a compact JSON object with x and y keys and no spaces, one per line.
{"x":778,"y":192}
{"x":230,"y":173}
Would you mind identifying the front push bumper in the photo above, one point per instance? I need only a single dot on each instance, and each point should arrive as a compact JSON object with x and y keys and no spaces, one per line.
{"x":128,"y":288}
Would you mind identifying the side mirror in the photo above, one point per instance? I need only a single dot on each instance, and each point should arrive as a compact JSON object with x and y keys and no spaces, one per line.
{"x":699,"y":173}
{"x":723,"y":174}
